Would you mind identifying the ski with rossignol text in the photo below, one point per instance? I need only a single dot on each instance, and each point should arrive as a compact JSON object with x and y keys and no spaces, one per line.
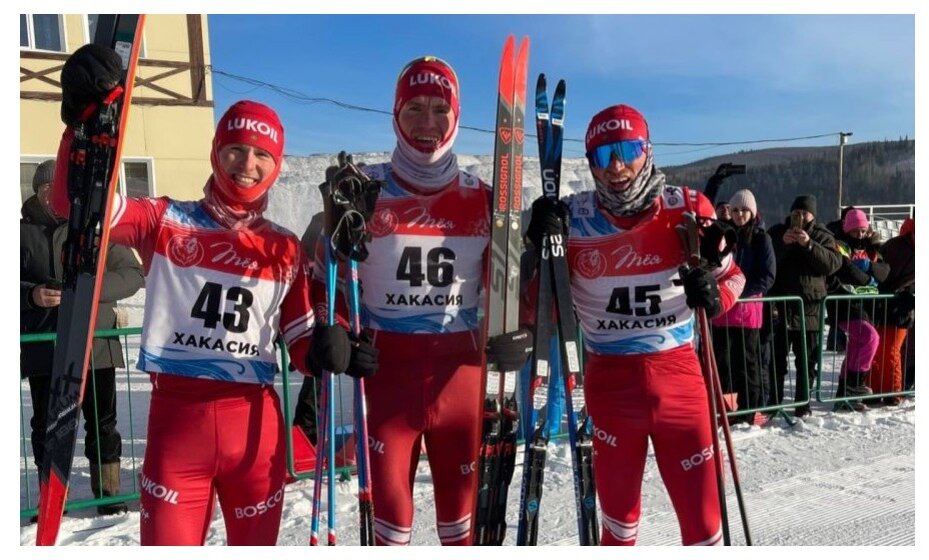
{"x":497,"y":457}
{"x":93,"y":170}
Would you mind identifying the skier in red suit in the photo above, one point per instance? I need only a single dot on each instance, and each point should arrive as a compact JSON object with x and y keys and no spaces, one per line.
{"x":643,"y":382}
{"x":222,"y":284}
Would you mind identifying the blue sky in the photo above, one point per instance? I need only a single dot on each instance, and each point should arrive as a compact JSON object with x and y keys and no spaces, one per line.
{"x":697,"y":78}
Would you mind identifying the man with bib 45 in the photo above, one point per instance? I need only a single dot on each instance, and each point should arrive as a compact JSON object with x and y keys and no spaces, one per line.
{"x":635,"y":305}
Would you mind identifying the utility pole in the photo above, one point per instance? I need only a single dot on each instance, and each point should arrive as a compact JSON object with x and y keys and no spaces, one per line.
{"x":843,"y":138}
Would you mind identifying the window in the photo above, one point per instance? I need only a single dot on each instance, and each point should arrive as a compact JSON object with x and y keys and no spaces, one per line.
{"x":136,"y":178}
{"x":92,"y":29}
{"x":42,"y":32}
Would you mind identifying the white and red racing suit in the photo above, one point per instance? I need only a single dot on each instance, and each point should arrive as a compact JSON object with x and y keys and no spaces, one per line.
{"x":642,"y":377}
{"x":216,"y":301}
{"x":421,"y":290}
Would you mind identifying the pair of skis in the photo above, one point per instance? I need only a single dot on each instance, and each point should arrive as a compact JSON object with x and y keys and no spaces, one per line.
{"x":93,"y":174}
{"x":554,"y":289}
{"x":497,"y":458}
{"x":344,"y":184}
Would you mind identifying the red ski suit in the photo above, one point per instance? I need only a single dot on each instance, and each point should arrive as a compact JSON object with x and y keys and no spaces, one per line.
{"x":420,"y":290}
{"x":216,"y":301}
{"x":643,"y":381}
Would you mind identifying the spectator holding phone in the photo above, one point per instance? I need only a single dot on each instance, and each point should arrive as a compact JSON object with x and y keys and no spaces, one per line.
{"x":805,"y":254}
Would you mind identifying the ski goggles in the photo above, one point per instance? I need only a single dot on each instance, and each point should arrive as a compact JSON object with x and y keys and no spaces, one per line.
{"x":625,"y":150}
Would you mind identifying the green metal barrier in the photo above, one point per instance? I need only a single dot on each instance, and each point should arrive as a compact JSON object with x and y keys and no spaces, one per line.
{"x":29,"y":478}
{"x":876,"y":308}
{"x":778,"y":394}
{"x":29,"y":475}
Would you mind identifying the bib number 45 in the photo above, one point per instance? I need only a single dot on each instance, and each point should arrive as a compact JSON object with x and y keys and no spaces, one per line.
{"x":621,"y":302}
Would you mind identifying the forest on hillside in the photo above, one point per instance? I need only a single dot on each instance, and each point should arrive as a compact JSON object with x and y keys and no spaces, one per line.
{"x":875,"y":173}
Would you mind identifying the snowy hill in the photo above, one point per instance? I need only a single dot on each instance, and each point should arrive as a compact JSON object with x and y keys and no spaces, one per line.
{"x":295,"y":197}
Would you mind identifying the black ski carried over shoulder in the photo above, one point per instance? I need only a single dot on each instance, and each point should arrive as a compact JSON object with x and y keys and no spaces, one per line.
{"x":92,"y":181}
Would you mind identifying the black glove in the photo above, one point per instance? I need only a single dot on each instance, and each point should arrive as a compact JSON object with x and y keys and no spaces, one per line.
{"x":331,"y":350}
{"x":509,"y":351}
{"x":335,"y":349}
{"x":88,"y":74}
{"x":549,"y":216}
{"x":702,"y":290}
{"x":716,"y":241}
{"x":364,"y":357}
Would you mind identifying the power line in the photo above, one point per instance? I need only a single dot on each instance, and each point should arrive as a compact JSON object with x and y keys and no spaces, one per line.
{"x":303,"y":98}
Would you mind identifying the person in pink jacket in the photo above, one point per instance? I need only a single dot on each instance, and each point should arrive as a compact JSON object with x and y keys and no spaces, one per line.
{"x":736,"y":332}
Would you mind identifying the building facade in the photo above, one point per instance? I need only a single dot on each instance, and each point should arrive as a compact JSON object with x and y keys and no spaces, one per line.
{"x":167,"y":144}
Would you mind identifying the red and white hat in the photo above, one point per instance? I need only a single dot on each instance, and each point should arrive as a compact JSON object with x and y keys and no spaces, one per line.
{"x":255,"y":124}
{"x":432,"y":77}
{"x":614,"y":124}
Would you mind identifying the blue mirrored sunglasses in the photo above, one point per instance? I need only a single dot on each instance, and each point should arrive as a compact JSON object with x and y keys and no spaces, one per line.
{"x":626,"y":150}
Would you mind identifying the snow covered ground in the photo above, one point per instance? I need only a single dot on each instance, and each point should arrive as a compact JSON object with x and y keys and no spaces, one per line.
{"x":833,"y":479}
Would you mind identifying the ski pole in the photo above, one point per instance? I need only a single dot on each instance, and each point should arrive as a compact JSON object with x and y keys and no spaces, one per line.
{"x":730,"y":449}
{"x":365,"y":503}
{"x":690,"y":237}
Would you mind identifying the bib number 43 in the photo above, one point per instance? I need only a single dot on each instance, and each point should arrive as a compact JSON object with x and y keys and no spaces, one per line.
{"x":209,"y":307}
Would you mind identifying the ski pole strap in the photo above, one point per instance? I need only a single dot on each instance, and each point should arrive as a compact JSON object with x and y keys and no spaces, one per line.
{"x":349,"y":196}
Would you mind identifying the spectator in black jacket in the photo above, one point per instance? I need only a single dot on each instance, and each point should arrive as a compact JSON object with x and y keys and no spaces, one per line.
{"x":806,"y":256}
{"x":42,"y":235}
{"x":736,"y":333}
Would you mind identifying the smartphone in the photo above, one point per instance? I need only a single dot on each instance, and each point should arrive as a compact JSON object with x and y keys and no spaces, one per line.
{"x":53,"y":284}
{"x":796,"y":220}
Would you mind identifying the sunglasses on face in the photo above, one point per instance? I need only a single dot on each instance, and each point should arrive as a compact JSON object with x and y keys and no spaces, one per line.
{"x":626,"y":151}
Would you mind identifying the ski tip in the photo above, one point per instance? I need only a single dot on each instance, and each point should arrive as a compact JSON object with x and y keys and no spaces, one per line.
{"x":540,"y":83}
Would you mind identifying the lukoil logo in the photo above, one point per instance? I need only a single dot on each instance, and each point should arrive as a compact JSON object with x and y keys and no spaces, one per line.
{"x":158,"y":491}
{"x":253,"y":125}
{"x":429,"y":78}
{"x":609,"y":126}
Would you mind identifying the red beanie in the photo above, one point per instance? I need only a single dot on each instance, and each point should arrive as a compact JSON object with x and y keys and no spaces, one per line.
{"x":429,"y":76}
{"x":248,"y":122}
{"x":619,"y":122}
{"x":255,"y":124}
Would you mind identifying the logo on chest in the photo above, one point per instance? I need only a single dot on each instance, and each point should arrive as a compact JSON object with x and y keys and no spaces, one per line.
{"x":185,"y":251}
{"x":226,"y":254}
{"x":590,"y":263}
{"x":628,"y":258}
{"x":383,"y":222}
